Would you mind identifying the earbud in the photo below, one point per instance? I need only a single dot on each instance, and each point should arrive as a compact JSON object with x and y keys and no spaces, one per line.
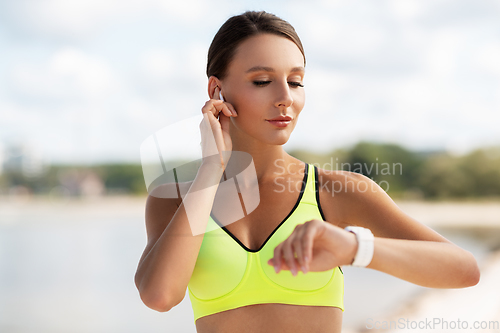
{"x":220,"y":96}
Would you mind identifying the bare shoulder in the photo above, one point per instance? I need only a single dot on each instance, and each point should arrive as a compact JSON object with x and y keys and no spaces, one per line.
{"x":350,"y":198}
{"x":334,"y":187}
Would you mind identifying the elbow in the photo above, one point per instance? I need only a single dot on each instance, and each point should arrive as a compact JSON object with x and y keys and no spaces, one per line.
{"x":474,"y":275}
{"x":159,"y":302}
{"x":471,"y":274}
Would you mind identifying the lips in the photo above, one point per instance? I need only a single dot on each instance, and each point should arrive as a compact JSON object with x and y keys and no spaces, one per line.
{"x":281,"y":121}
{"x":280,"y":118}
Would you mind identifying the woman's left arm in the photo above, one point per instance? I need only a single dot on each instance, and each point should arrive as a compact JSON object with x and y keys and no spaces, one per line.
{"x":407,"y":249}
{"x":426,"y":263}
{"x":403,"y":247}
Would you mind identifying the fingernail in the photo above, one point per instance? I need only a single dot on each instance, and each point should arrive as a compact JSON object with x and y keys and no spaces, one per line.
{"x":304,"y":270}
{"x":276,"y":269}
{"x":294,"y":271}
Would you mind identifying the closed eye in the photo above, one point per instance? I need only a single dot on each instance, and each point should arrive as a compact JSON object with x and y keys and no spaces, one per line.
{"x":261,"y":83}
{"x":265,"y":83}
{"x":296,"y":84}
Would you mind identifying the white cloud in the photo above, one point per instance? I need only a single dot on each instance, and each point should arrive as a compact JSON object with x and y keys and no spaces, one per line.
{"x":486,"y":58}
{"x":69,"y":73}
{"x":443,"y":51}
{"x":186,"y":10}
{"x":65,"y":18}
{"x":342,"y":38}
{"x":407,"y":10}
{"x":158,"y":64}
{"x":186,"y":62}
{"x":415,"y":72}
{"x":83,"y":18}
{"x":196,"y":60}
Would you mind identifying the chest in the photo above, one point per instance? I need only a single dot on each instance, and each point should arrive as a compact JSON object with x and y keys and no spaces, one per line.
{"x":257,"y":225}
{"x":235,"y":265}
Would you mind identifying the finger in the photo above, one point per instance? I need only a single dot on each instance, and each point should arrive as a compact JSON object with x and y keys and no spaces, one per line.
{"x":216,"y":93}
{"x":310,"y":230}
{"x":225,"y":109}
{"x":209,"y":107}
{"x":288,"y":254}
{"x":231,"y":108}
{"x":307,"y":244}
{"x":215,"y":106}
{"x":297,"y":251}
{"x":221,"y":107}
{"x":208,"y":139}
{"x":299,"y":248}
{"x":277,"y":258}
{"x":224,"y":123}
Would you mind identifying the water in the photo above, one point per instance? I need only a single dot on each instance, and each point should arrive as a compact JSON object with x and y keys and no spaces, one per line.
{"x":373,"y":294}
{"x":69,"y":267}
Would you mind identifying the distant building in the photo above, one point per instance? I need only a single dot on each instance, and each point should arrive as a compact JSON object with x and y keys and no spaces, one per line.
{"x":91,"y":185}
{"x":23,"y":158}
{"x":81,"y":183}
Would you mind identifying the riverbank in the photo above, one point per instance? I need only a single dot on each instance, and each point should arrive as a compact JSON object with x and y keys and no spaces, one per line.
{"x":435,"y":214}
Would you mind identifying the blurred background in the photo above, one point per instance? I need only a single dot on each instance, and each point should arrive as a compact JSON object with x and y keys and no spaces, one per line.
{"x":410,"y":84}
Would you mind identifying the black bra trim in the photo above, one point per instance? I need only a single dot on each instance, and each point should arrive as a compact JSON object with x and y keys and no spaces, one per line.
{"x":317,"y":200}
{"x":316,"y":186}
{"x":304,"y":181}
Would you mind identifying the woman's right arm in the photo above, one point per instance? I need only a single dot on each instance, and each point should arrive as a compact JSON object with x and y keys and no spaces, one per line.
{"x":175,"y":229}
{"x":168,"y":261}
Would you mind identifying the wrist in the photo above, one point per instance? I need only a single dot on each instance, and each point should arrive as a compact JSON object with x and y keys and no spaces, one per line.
{"x":353,"y":248}
{"x":212,"y":168}
{"x":208,"y":175}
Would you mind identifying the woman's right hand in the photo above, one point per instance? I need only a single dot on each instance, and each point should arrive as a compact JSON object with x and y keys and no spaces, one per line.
{"x":215,"y":138}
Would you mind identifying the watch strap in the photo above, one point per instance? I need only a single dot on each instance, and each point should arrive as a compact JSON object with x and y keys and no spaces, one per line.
{"x":365,"y":239}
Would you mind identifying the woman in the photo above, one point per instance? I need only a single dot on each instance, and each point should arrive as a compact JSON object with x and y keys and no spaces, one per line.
{"x":256,"y":69}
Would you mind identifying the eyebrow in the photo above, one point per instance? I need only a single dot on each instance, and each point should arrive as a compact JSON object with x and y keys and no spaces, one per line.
{"x":270,"y":69}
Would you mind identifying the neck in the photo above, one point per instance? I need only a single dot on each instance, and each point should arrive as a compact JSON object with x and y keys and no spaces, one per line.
{"x":270,"y":161}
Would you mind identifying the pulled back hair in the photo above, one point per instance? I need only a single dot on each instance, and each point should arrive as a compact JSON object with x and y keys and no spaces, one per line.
{"x":239,"y":28}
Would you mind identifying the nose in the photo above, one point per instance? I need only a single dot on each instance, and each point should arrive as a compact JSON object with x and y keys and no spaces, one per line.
{"x":285,"y":99}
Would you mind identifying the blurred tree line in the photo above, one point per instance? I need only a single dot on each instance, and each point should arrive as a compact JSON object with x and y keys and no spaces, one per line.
{"x":407,"y":174}
{"x":77,"y":180}
{"x":402,"y":173}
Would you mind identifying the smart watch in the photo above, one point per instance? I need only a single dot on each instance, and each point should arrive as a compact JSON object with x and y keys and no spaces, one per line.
{"x":365,"y":239}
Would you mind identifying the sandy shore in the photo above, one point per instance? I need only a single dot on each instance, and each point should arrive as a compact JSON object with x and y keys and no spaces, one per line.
{"x":453,"y":214}
{"x":433,"y":214}
{"x":16,"y":209}
{"x":474,"y":309}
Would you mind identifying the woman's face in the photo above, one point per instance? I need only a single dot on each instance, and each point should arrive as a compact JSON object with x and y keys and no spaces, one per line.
{"x":263,"y":82}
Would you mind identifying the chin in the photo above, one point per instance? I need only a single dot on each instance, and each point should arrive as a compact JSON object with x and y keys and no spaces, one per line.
{"x":278,"y":140}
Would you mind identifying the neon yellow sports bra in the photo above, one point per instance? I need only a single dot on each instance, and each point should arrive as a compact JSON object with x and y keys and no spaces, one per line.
{"x":228,"y":275}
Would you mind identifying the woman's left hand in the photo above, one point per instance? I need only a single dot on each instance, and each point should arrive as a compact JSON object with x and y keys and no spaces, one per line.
{"x":314,"y":246}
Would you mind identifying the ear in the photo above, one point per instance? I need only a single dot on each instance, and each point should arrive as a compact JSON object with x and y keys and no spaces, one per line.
{"x":212,"y":83}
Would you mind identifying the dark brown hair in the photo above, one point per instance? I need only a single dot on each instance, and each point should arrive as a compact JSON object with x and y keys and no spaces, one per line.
{"x":237,"y":29}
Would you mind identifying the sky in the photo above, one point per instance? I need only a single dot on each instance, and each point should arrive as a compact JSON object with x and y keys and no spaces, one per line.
{"x":87,"y":81}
